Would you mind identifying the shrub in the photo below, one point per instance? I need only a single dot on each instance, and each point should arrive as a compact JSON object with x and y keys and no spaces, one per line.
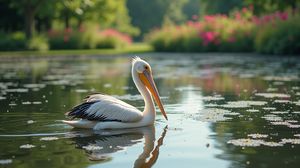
{"x":89,"y":38}
{"x":241,"y":31}
{"x":212,"y":33}
{"x":174,"y":38}
{"x":278,"y":33}
{"x":111,"y":38}
{"x":13,"y":41}
{"x":85,"y":38}
{"x":38,"y":42}
{"x":67,"y":39}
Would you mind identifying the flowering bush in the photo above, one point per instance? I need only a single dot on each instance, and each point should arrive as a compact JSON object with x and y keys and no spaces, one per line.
{"x":67,"y":39}
{"x":180,"y":38}
{"x":89,"y":38}
{"x":241,"y":31}
{"x":212,"y":33}
{"x":111,"y":38}
{"x":278,"y":33}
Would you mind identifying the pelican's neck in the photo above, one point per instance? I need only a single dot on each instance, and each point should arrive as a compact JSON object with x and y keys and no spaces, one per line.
{"x":149,"y":111}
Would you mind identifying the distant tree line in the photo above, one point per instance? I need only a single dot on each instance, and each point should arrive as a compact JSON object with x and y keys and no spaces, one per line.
{"x":134,"y":17}
{"x":40,"y":15}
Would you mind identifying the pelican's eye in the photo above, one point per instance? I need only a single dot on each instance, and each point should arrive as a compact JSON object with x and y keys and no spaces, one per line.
{"x":146,"y":67}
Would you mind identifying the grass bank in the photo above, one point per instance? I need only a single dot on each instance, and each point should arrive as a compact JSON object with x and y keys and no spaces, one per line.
{"x":134,"y":48}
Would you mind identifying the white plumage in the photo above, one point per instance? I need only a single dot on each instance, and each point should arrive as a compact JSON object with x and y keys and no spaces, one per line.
{"x":100,"y":111}
{"x":112,"y":109}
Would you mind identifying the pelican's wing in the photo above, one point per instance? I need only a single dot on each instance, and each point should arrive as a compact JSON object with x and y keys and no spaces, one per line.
{"x":99,"y":107}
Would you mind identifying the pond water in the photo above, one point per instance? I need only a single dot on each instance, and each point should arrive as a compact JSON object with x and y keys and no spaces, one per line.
{"x":225,"y":110}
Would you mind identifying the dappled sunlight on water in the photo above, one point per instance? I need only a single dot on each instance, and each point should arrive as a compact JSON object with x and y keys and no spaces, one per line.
{"x":224,"y":111}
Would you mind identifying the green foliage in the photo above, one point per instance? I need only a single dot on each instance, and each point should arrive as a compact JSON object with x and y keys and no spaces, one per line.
{"x":270,"y":6}
{"x":111,"y":42}
{"x":147,"y":15}
{"x":40,"y":14}
{"x":13,"y":41}
{"x":279,"y":36}
{"x":38,"y":42}
{"x":92,"y":38}
{"x":107,"y":13}
{"x":170,"y":39}
{"x":122,"y":21}
{"x":89,"y":37}
{"x":174,"y":13}
{"x":276,"y":33}
{"x":219,"y":6}
{"x":213,"y":33}
{"x":67,"y":39}
{"x":17,"y":41}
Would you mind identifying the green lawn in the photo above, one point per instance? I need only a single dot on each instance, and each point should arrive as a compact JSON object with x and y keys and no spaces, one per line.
{"x":134,"y":48}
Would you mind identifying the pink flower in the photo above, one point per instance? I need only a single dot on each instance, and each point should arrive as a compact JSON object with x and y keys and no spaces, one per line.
{"x":66,"y":38}
{"x":283,"y":16}
{"x":52,"y":33}
{"x":194,"y":24}
{"x":251,"y":7}
{"x":81,"y":28}
{"x":109,"y":32}
{"x":209,"y":18}
{"x":190,"y":23}
{"x":216,"y":42}
{"x":244,"y":10}
{"x":267,"y":18}
{"x":208,"y":37}
{"x":68,"y":30}
{"x":195,"y":17}
{"x":178,"y":28}
{"x":223,"y":16}
{"x":256,"y":20}
{"x":115,"y":33}
{"x":231,"y":39}
{"x":237,"y":15}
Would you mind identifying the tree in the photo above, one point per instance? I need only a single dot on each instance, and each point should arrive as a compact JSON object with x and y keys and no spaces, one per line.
{"x":219,"y":6}
{"x":9,"y":15}
{"x":107,"y":13}
{"x":191,"y":9}
{"x":28,"y":9}
{"x":268,"y":6}
{"x":174,"y":12}
{"x":147,"y":15}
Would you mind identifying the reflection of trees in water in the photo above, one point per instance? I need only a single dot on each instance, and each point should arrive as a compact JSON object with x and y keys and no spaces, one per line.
{"x":103,"y":144}
{"x":220,"y":83}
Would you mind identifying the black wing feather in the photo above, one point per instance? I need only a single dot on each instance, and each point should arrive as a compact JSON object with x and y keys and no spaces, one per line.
{"x":79,"y":111}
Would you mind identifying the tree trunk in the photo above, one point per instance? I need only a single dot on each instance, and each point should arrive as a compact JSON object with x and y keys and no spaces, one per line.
{"x":30,"y":9}
{"x":79,"y":26}
{"x":29,"y":21}
{"x":67,"y":20}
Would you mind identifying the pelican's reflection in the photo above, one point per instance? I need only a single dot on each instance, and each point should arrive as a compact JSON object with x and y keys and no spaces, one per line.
{"x":100,"y":145}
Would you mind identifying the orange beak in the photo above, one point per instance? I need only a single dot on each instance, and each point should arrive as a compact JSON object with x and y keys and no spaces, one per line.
{"x":148,"y":81}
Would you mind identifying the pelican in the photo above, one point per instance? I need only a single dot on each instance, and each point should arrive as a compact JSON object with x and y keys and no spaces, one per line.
{"x":99,"y":111}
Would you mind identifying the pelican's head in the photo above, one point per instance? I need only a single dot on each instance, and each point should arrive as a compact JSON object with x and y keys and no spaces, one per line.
{"x":144,"y":72}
